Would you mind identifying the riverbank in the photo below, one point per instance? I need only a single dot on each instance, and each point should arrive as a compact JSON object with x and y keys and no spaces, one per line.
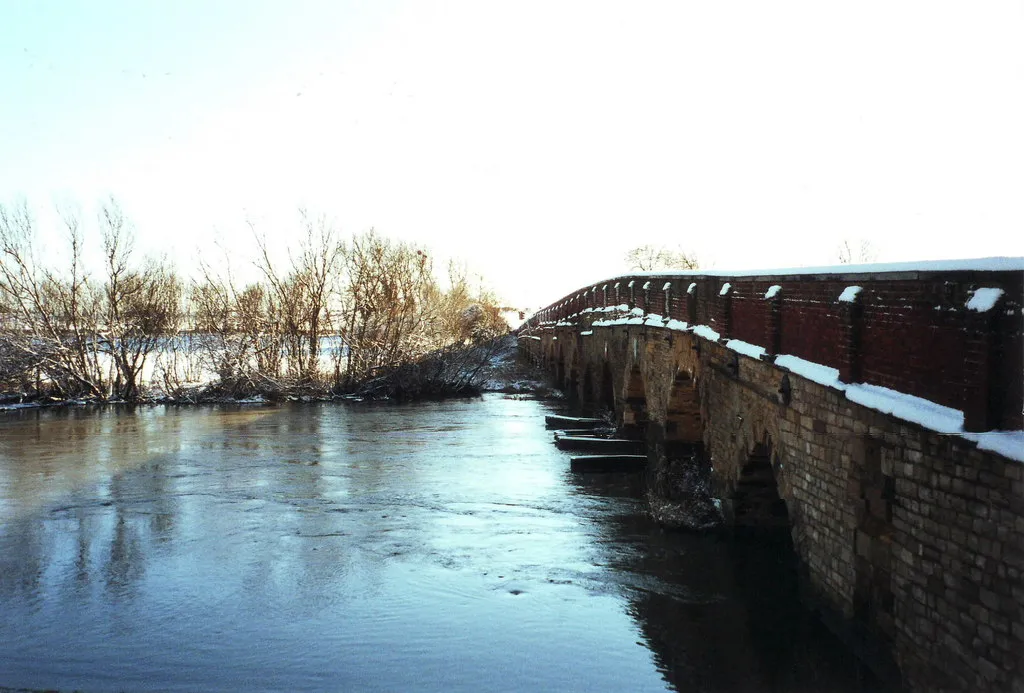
{"x":498,"y":370}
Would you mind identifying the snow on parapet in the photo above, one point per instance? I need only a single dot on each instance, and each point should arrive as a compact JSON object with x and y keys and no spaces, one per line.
{"x":849,"y":294}
{"x":772,"y":291}
{"x":725,"y":289}
{"x":821,"y":374}
{"x":746,"y":348}
{"x":668,"y":285}
{"x":706,"y":332}
{"x":983,"y":300}
{"x":984,"y":264}
{"x":907,"y":407}
{"x":647,"y":286}
{"x":930,"y":415}
{"x":690,"y":289}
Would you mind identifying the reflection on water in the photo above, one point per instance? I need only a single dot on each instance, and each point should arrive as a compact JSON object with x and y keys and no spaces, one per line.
{"x":438,"y":546}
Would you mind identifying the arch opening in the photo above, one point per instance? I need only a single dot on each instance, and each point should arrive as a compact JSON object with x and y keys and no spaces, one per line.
{"x":571,"y":386}
{"x":682,"y":419}
{"x":559,"y":369}
{"x":607,"y":399}
{"x":587,"y":392}
{"x":757,"y":504}
{"x":634,"y":411}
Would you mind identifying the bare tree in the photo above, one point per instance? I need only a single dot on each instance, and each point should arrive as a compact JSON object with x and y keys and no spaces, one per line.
{"x":143,"y":304}
{"x":856,"y":252}
{"x":52,"y":316}
{"x":649,"y":258}
{"x":301,"y":294}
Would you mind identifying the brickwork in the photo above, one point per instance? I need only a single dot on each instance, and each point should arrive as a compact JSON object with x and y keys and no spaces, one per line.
{"x":911,"y":542}
{"x":908,"y":331}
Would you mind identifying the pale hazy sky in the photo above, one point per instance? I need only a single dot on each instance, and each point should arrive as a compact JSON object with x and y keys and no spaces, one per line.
{"x":537,"y":140}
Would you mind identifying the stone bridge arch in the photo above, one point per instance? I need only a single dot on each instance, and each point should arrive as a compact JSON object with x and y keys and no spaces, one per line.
{"x":607,"y":396}
{"x":759,"y":503}
{"x":683,"y":422}
{"x":560,"y":369}
{"x":634,"y":412}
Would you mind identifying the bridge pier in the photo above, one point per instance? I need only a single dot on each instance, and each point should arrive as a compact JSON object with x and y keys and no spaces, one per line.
{"x":910,"y":542}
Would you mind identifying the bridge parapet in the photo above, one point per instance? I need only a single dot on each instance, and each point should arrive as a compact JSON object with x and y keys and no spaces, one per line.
{"x":949,"y":332}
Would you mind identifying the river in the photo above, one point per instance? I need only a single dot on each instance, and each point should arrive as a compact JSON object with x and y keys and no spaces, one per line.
{"x":317,"y":547}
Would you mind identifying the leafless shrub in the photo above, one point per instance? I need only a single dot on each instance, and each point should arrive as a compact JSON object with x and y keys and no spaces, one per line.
{"x":52,"y":323}
{"x":852,"y":252}
{"x":371,"y":304}
{"x":649,"y":258}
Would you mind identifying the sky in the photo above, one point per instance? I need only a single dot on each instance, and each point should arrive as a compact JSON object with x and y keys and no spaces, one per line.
{"x":536,"y":141}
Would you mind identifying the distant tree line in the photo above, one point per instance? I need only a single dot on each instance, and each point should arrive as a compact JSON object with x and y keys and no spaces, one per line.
{"x":337,"y":315}
{"x":648,"y":258}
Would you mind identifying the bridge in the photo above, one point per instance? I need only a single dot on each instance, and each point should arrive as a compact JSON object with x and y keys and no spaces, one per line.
{"x":873,"y":411}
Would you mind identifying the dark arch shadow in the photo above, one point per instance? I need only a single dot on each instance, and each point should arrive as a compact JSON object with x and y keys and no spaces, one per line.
{"x":607,"y":399}
{"x":587,"y":399}
{"x":634,"y":412}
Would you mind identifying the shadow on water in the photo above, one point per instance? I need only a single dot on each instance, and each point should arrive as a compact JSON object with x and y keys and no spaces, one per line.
{"x":722,"y":611}
{"x":380,"y":548}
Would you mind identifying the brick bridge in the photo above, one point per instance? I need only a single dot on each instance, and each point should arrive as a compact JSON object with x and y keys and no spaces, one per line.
{"x":875,"y":413}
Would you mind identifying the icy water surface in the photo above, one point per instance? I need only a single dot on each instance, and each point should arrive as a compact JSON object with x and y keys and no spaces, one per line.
{"x":440,"y":546}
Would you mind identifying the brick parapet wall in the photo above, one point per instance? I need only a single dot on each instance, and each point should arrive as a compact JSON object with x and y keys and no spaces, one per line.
{"x":907,"y":331}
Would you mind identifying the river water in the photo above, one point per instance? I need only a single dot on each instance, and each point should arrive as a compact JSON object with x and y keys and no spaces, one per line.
{"x":308,"y":547}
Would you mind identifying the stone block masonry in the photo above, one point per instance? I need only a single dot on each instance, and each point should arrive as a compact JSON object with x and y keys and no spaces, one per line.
{"x":911,"y":541}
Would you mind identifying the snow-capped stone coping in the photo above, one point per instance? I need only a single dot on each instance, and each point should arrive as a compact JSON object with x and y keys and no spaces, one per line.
{"x":900,"y":308}
{"x":745,"y":348}
{"x":930,"y":415}
{"x":850,"y":294}
{"x":914,"y":269}
{"x":908,"y":407}
{"x":984,"y":299}
{"x":707,"y":333}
